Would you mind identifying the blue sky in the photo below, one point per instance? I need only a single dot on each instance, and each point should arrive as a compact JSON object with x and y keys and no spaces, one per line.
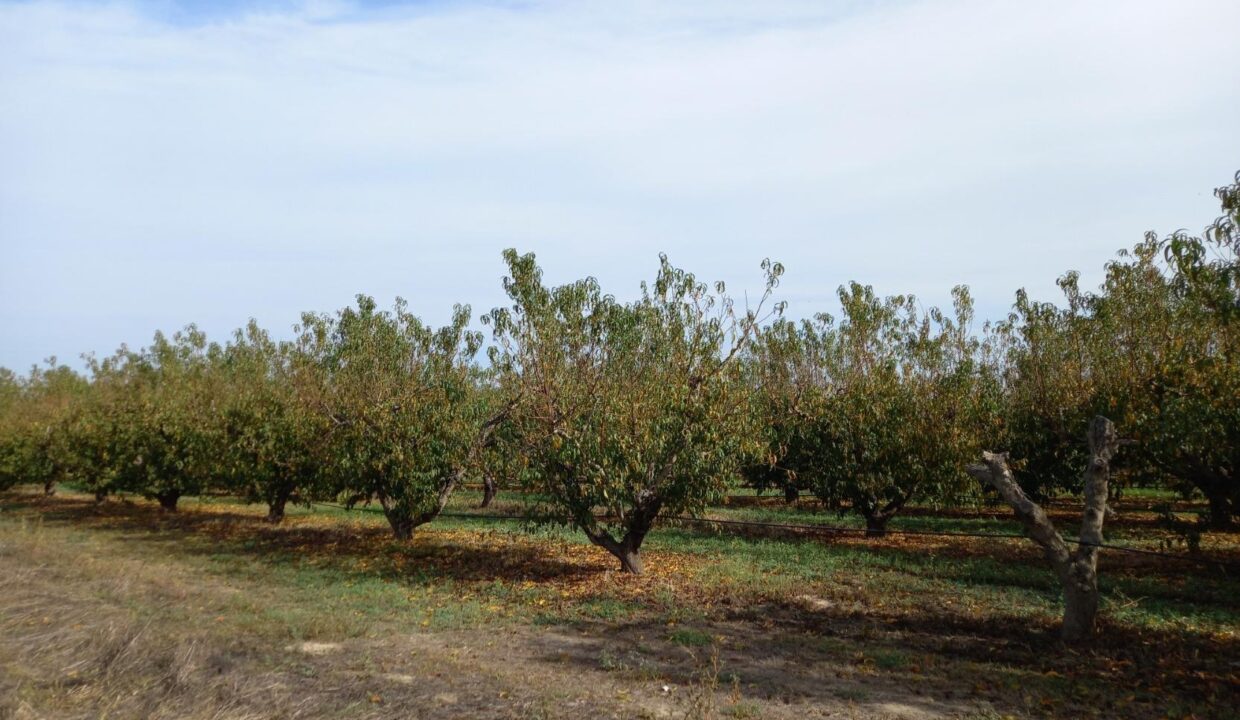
{"x":165,"y":163}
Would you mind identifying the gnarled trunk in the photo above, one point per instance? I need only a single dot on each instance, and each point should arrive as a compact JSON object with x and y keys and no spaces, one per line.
{"x":488,"y":491}
{"x":398,"y":518}
{"x":1077,"y":570}
{"x":876,"y":517}
{"x":628,"y":548}
{"x":402,"y":526}
{"x":404,"y":520}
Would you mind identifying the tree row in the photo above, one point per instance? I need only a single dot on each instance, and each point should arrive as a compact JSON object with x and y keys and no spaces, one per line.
{"x":610,"y":414}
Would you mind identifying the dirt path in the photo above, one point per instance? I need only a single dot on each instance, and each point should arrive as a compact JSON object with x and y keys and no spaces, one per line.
{"x":93,"y":628}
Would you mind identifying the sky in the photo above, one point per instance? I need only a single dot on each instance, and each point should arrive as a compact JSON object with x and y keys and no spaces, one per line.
{"x":171,"y":162}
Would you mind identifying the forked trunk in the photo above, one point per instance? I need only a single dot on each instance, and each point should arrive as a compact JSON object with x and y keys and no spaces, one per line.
{"x":398,"y":518}
{"x":877,"y":516}
{"x":627,"y":550}
{"x":404,"y":520}
{"x":1077,"y":569}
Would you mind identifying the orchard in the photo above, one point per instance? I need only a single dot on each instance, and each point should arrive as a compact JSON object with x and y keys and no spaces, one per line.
{"x":614,"y":414}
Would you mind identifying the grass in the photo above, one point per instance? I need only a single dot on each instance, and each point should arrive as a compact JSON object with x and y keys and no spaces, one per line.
{"x":950,"y":618}
{"x":1138,"y":527}
{"x":690,"y":637}
{"x":895,"y":574}
{"x":889,"y":659}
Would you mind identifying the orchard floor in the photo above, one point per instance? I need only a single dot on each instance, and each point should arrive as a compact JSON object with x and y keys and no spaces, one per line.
{"x":122,"y":611}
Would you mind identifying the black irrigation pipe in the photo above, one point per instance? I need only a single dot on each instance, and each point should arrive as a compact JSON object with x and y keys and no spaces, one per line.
{"x":839,"y":530}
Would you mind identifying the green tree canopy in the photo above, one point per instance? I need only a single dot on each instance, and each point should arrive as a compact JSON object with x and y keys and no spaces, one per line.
{"x":276,"y":430}
{"x":883,"y":407}
{"x":36,"y":413}
{"x":624,"y":412}
{"x":407,"y":418}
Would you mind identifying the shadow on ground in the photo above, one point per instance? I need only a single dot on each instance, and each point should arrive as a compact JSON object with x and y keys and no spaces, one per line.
{"x":801,"y":649}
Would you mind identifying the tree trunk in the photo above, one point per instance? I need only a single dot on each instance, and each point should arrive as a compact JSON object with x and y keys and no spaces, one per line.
{"x":876,"y":524}
{"x":1077,"y":570}
{"x":49,"y":488}
{"x":168,"y":501}
{"x":488,"y":491}
{"x":876,"y":516}
{"x":1218,"y":487}
{"x":100,"y":496}
{"x":275,"y":506}
{"x":402,"y":526}
{"x":1221,"y":511}
{"x":631,"y":561}
{"x":1080,"y":602}
{"x":791,"y":493}
{"x":627,"y":550}
{"x":403,"y":520}
{"x":400,"y":521}
{"x":629,"y":554}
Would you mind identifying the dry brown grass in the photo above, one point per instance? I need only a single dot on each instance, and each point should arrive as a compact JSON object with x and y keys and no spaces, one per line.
{"x":90,"y":636}
{"x":123,"y":611}
{"x":100,"y":624}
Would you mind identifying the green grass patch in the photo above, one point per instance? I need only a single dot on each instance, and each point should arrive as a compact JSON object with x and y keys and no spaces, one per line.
{"x":690,"y":637}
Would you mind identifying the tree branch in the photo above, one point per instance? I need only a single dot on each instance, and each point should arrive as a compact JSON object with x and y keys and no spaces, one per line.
{"x":994,"y":471}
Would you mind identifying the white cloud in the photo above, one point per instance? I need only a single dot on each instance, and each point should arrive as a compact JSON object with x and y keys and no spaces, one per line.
{"x":267,"y":161}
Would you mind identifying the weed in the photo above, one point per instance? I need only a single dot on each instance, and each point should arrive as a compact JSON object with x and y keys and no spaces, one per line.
{"x":702,"y":702}
{"x":690,"y":637}
{"x":744,"y":711}
{"x":608,"y":661}
{"x":890,"y":659}
{"x":851,"y":694}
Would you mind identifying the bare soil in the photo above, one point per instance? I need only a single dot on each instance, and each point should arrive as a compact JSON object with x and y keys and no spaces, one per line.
{"x":120,"y":612}
{"x":94,"y":636}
